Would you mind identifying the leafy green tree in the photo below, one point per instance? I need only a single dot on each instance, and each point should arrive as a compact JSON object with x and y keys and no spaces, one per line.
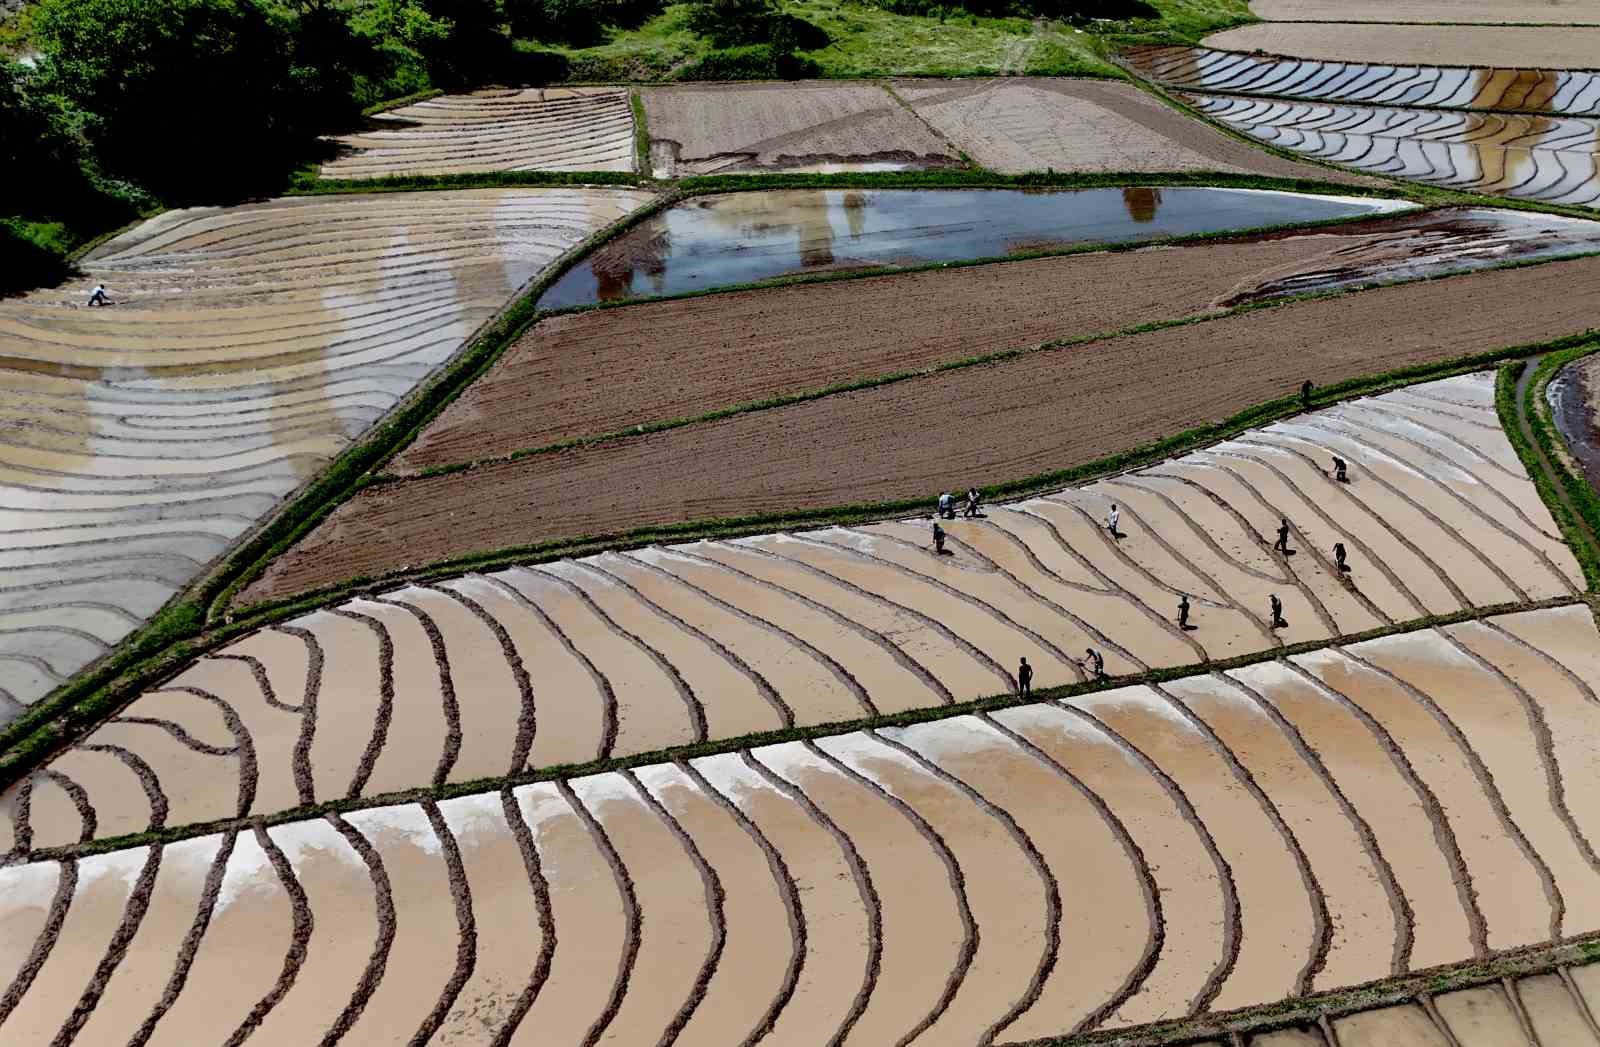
{"x":193,"y":98}
{"x":732,"y":23}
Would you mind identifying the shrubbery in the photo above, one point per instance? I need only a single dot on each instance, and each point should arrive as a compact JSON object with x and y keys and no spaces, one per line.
{"x":1066,"y":10}
{"x":756,"y":41}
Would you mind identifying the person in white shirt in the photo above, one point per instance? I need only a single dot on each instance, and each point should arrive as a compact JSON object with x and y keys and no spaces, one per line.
{"x":1112,"y":519}
{"x":98,"y":295}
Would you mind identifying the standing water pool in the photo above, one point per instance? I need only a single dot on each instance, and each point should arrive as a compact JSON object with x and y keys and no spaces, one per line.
{"x":736,"y":238}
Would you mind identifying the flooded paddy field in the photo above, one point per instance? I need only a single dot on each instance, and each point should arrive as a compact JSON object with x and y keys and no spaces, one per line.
{"x":1553,"y":92}
{"x":734,"y":238}
{"x":1551,"y":159}
{"x":244,"y":349}
{"x":538,"y":129}
{"x":625,"y":653}
{"x":1224,"y":840}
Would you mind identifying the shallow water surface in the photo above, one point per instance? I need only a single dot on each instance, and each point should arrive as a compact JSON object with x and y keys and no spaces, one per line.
{"x":1575,"y":407}
{"x":734,"y":238}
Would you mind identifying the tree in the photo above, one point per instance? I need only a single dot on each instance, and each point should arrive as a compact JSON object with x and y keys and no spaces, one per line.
{"x":730,"y":23}
{"x":193,"y":98}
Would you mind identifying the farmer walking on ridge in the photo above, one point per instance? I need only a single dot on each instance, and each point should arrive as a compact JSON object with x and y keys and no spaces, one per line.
{"x":1025,"y":679}
{"x":1095,"y":664}
{"x":938,"y":539}
{"x":1339,"y":473}
{"x":1183,"y":614}
{"x":98,"y":295}
{"x":1282,"y":544}
{"x":973,"y":499}
{"x":1339,"y":558}
{"x":1112,"y":519}
{"x":1277,"y":613}
{"x":1305,"y":394}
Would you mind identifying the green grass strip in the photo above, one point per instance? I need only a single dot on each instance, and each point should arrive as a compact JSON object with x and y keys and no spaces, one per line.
{"x":641,"y":134}
{"x":404,"y":100}
{"x":308,"y":183}
{"x":715,"y":747}
{"x":1536,"y":408}
{"x":1509,"y":407}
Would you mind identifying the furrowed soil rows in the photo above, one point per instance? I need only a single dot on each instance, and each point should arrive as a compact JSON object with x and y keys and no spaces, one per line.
{"x":805,"y":126}
{"x":1223,"y":841}
{"x":620,"y":654}
{"x":1522,"y":46}
{"x":245,"y":348}
{"x":1032,"y":124}
{"x":1556,"y":12}
{"x":544,"y":389}
{"x":539,"y":129}
{"x":951,"y":429}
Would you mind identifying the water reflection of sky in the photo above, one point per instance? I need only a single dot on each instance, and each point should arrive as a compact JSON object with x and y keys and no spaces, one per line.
{"x":736,"y":238}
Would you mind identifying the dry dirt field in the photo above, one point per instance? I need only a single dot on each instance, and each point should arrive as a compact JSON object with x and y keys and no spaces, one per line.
{"x":585,"y":374}
{"x":1137,"y":854}
{"x":1499,"y":46}
{"x":1562,"y":93}
{"x":1554,"y":159}
{"x":802,"y":126}
{"x":539,"y":129}
{"x":907,"y":440}
{"x":1017,"y":125}
{"x":1558,"y":12}
{"x":246,"y":347}
{"x":621,"y":654}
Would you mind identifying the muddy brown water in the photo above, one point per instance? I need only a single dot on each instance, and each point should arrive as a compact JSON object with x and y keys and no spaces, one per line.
{"x":1574,"y":398}
{"x":737,"y":238}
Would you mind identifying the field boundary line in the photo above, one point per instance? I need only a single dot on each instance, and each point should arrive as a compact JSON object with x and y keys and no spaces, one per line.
{"x":1572,"y":492}
{"x":808,"y":732}
{"x":895,"y":377}
{"x":641,"y":135}
{"x":887,"y":84}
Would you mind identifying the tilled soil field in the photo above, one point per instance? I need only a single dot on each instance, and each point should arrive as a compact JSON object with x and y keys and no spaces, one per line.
{"x":715,"y":128}
{"x":1556,"y":12}
{"x":589,"y":373}
{"x":1526,"y":46}
{"x":1033,"y":124}
{"x":1044,"y":411}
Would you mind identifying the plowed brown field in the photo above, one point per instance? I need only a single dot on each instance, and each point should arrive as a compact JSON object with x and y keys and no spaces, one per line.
{"x":1043,"y":411}
{"x":1561,"y":12}
{"x":589,"y":373}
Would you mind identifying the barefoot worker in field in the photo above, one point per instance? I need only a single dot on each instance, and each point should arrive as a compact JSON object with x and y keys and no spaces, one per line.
{"x":947,"y":509}
{"x":1277,"y":613}
{"x":1339,"y":558}
{"x":1183,"y":613}
{"x":98,"y":295}
{"x":973,"y":500}
{"x":1025,"y":679}
{"x":1095,"y":663}
{"x":1282,"y":544}
{"x":1339,"y":472}
{"x":1112,"y":519}
{"x":938,"y":539}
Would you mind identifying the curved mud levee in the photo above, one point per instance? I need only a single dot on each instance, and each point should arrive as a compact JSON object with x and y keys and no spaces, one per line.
{"x":624,"y":653}
{"x":244,"y":348}
{"x":1218,"y":843}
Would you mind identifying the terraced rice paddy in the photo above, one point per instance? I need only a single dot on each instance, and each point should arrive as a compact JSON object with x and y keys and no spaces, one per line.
{"x":1033,"y":124}
{"x":1541,"y":91}
{"x":737,"y":238}
{"x":1527,"y":47}
{"x":626,"y":653}
{"x":246,"y":348}
{"x":539,"y":129}
{"x":1552,"y":159}
{"x":1574,"y":397}
{"x":805,"y":126}
{"x":1136,"y":854}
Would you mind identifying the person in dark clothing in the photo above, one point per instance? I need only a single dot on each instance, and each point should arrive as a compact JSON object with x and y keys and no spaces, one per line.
{"x":938,"y":539}
{"x":1305,"y":394}
{"x":1025,"y":678}
{"x":1183,"y":613}
{"x":1096,"y":664}
{"x":1339,"y":472}
{"x":1339,"y":558}
{"x":1277,"y":613}
{"x":973,"y":500}
{"x":1282,"y":544}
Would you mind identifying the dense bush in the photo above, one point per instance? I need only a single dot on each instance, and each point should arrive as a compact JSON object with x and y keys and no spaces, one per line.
{"x":1066,"y":10}
{"x":752,"y":62}
{"x":24,"y":263}
{"x":576,"y":22}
